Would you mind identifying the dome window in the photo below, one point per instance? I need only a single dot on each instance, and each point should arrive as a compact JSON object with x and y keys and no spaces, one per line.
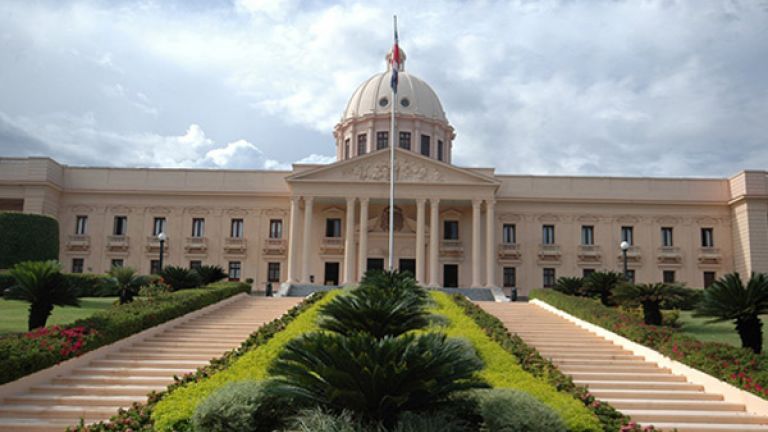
{"x":383,"y":102}
{"x":405,"y":102}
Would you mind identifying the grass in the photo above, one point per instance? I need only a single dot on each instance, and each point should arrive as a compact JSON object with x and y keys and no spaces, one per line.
{"x":14,"y":313}
{"x":724,"y":332}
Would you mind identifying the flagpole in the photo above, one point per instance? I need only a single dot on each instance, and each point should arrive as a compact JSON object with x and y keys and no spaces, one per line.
{"x":392,"y":161}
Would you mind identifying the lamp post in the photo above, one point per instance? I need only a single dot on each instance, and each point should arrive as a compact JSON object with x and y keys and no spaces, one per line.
{"x":624,"y":248}
{"x":162,"y":238}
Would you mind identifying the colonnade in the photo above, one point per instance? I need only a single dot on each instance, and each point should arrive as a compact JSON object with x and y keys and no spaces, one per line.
{"x":478,"y":267}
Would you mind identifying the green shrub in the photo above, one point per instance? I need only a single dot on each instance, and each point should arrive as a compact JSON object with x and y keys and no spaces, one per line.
{"x":503,"y":370}
{"x":569,"y":285}
{"x":91,"y":285}
{"x":506,"y":410}
{"x":738,"y":366}
{"x":27,"y":237}
{"x":180,"y":278}
{"x":21,"y":355}
{"x":6,"y":281}
{"x":211,"y":273}
{"x":601,"y":285}
{"x":239,"y":407}
{"x":649,"y":296}
{"x":41,"y":284}
{"x":688,"y":300}
{"x":320,"y":420}
{"x":438,"y":421}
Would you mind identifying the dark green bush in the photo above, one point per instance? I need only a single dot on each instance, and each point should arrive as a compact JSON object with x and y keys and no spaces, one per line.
{"x":438,"y":421}
{"x":569,"y":285}
{"x":21,"y":355}
{"x":507,"y":410}
{"x":211,"y":273}
{"x":91,"y":285}
{"x":27,"y":237}
{"x":239,"y":407}
{"x":320,"y":420}
{"x":6,"y":281}
{"x":41,"y":284}
{"x":180,"y":278}
{"x":601,"y":285}
{"x":688,"y":300}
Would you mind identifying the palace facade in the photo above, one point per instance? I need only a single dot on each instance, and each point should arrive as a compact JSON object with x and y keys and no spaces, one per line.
{"x":454,"y":226}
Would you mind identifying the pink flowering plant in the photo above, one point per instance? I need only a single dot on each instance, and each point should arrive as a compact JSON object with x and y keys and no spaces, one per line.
{"x":67,"y":342}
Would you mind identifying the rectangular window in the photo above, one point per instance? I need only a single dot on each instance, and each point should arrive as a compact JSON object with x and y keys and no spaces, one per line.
{"x":548,"y":234}
{"x":333,"y":228}
{"x":362,"y":141}
{"x":236,"y":229}
{"x":117,"y":263}
{"x":425,"y":145}
{"x":158,"y":226}
{"x":273,"y":272}
{"x":508,"y":234}
{"x":198,"y":227}
{"x":440,"y":150}
{"x":666,"y":237}
{"x":631,"y":275}
{"x":405,"y":140}
{"x":195,"y":264}
{"x":234,"y":270}
{"x":586,"y":272}
{"x":346,"y":148}
{"x":709,"y":278}
{"x":627,"y":234}
{"x":549,"y":277}
{"x":154,"y":266}
{"x":77,"y":265}
{"x":382,"y":140}
{"x":510,"y":277}
{"x":276,"y":228}
{"x":707,"y":237}
{"x":450,"y":230}
{"x":587,"y":235}
{"x":81,"y":225}
{"x":668,"y":276}
{"x":121,"y":225}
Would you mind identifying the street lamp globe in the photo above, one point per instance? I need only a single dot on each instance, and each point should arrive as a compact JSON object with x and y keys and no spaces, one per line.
{"x":624,"y":245}
{"x":161,"y":236}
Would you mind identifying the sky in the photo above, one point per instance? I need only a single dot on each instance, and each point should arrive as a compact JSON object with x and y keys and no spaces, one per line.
{"x":635,"y":88}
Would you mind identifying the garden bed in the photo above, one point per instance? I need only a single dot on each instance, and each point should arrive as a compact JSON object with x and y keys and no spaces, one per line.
{"x":738,"y":366}
{"x":23,"y":354}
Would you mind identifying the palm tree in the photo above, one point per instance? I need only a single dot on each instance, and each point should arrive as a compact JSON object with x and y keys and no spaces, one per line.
{"x":650,"y":296}
{"x":728,"y":299}
{"x":210,"y":274}
{"x":569,"y":285}
{"x":41,"y":284}
{"x":180,"y":278}
{"x":128,"y":282}
{"x":601,"y":284}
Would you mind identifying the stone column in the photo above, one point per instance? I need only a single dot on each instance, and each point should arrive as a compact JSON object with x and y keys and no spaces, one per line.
{"x":349,"y":243}
{"x":490,"y":243}
{"x":476,"y":259}
{"x":420,"y":252}
{"x":363,"y":252}
{"x":293,"y":239}
{"x":434,"y":241}
{"x":307,"y":235}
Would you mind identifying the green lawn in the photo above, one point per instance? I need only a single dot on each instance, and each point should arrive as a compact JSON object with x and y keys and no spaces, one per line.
{"x":717,"y":332}
{"x":13,"y":313}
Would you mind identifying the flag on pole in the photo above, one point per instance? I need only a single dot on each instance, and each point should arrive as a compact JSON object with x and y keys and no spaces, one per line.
{"x":395,"y":61}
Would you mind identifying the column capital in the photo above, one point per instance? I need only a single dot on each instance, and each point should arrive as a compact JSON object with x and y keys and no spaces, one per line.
{"x":364,"y":200}
{"x":308,"y":199}
{"x":295,"y":199}
{"x":351,"y":200}
{"x":477,"y":202}
{"x":490,"y":202}
{"x":434,"y":201}
{"x":421,"y":201}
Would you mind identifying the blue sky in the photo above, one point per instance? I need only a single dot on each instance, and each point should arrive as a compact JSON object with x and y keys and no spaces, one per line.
{"x":649,"y":88}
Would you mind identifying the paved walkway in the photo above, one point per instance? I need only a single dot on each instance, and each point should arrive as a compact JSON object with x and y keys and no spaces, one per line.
{"x":643,"y":390}
{"x":96,"y":391}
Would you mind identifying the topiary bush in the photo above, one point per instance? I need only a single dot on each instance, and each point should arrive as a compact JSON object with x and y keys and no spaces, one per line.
{"x":240,"y":406}
{"x":27,"y":237}
{"x":91,"y":285}
{"x":180,"y":278}
{"x":507,"y":410}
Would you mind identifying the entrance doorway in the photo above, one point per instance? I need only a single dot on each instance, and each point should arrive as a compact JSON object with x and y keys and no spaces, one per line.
{"x":331,"y":274}
{"x":451,"y":276}
{"x":375,"y":263}
{"x":408,"y":265}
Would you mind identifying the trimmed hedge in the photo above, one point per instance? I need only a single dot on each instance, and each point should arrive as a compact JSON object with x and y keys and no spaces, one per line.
{"x":503,"y":370}
{"x":174,"y":412}
{"x":532,"y":362}
{"x":738,"y":366}
{"x":27,"y":237}
{"x":23,"y":354}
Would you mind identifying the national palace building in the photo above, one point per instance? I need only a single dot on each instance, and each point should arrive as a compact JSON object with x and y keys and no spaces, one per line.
{"x":454,"y":226}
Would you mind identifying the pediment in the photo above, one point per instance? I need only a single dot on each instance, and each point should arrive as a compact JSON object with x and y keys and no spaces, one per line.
{"x":410,"y":168}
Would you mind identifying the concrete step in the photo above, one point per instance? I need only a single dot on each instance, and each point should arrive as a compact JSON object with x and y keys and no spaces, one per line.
{"x":703,"y":427}
{"x":641,"y":368}
{"x":151,"y":356}
{"x":64,"y":399}
{"x":114,"y":380}
{"x":138,"y":348}
{"x":56,"y":411}
{"x":706,"y":417}
{"x":157,"y":364}
{"x":132,"y":371}
{"x":224,"y":346}
{"x":621,"y":376}
{"x":672,"y":404}
{"x":556,"y":356}
{"x":636,"y":385}
{"x":202,"y":339}
{"x":605,"y":394}
{"x":35,"y":424}
{"x":565,"y":362}
{"x":97,"y":390}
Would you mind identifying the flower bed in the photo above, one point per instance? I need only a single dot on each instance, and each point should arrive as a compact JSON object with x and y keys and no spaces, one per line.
{"x":502,"y":368}
{"x":139,"y":418}
{"x":738,"y":366}
{"x":532,"y":362}
{"x":23,"y":354}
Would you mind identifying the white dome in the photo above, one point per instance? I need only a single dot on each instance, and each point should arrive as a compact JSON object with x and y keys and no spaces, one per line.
{"x":414,"y":97}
